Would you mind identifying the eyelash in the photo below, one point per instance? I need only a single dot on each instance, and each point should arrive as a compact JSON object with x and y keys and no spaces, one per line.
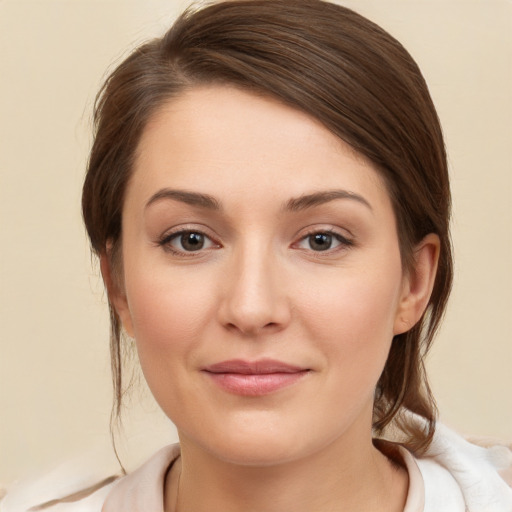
{"x":165,"y":242}
{"x":344,"y":242}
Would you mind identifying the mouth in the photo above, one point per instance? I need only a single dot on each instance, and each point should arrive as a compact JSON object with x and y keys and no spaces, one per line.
{"x":256,"y":378}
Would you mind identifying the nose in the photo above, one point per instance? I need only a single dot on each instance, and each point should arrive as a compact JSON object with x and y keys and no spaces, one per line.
{"x":254,"y":299}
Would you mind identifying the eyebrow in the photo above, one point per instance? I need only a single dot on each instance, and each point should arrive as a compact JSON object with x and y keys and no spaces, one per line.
{"x":191,"y":198}
{"x":317,"y":198}
{"x":293,"y":205}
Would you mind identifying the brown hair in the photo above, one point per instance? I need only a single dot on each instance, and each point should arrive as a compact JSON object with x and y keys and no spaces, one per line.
{"x":336,"y":66}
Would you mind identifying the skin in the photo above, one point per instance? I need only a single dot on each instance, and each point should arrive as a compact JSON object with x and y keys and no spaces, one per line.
{"x":260,"y":288}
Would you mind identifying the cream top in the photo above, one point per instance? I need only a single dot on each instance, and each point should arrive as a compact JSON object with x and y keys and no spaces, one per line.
{"x":144,"y":489}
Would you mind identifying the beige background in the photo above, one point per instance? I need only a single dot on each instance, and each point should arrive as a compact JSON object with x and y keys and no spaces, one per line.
{"x":54,"y":371}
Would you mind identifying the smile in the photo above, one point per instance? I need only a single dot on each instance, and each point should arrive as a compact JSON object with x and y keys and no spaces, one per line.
{"x":254,"y":378}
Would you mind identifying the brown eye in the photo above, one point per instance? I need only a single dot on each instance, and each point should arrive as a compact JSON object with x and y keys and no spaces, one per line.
{"x":192,"y":241}
{"x":320,"y":241}
{"x":186,"y":241}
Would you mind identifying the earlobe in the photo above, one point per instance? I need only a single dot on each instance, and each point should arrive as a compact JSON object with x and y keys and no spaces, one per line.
{"x":116,"y":293}
{"x":418,"y":284}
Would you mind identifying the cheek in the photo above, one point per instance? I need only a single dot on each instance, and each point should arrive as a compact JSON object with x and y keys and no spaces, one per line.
{"x":352,"y":317}
{"x":164,"y":300}
{"x":169,"y":312}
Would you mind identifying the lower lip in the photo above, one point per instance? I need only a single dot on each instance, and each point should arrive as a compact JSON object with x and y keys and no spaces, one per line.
{"x":255,"y":384}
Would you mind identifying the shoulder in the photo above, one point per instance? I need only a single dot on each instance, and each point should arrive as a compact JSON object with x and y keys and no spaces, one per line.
{"x":144,"y":488}
{"x":79,"y":489}
{"x":475,"y":475}
{"x":71,"y":487}
{"x":32,"y":498}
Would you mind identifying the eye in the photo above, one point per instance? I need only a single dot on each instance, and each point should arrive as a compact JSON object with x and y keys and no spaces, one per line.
{"x":323,"y":241}
{"x":187,"y":241}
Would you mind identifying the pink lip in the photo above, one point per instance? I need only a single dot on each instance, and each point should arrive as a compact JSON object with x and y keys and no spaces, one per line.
{"x":254,"y":378}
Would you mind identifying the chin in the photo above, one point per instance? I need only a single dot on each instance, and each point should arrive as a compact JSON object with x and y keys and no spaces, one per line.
{"x":258,"y":441}
{"x":259,"y":452}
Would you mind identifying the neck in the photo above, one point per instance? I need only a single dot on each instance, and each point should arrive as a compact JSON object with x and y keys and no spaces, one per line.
{"x":339,"y":477}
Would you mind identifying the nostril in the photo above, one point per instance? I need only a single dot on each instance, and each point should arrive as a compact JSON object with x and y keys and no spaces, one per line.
{"x":251,"y":329}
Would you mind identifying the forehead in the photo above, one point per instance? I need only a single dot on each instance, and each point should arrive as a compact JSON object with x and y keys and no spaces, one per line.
{"x":229,"y":143}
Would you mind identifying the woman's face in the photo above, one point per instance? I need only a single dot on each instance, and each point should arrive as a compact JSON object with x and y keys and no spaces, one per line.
{"x":262,"y":277}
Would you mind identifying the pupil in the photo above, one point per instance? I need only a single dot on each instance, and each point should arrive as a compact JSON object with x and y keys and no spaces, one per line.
{"x":192,"y":241}
{"x":320,"y":241}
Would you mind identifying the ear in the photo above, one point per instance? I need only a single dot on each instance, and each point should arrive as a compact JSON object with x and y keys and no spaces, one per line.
{"x":116,"y":293}
{"x":418,"y":284}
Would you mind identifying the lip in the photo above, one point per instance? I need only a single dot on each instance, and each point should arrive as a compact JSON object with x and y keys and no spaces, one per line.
{"x":254,"y":378}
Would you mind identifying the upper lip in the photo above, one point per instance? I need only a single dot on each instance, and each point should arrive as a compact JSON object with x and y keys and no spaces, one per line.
{"x":260,"y":367}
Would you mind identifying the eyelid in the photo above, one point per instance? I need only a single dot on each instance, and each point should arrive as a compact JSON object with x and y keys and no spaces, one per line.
{"x":345,"y":242}
{"x":171,"y":234}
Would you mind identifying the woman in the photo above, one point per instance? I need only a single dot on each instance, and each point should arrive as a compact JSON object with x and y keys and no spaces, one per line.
{"x":268,"y":196}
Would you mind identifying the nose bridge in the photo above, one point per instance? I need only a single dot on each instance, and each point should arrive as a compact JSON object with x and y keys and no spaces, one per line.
{"x":254,"y":297}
